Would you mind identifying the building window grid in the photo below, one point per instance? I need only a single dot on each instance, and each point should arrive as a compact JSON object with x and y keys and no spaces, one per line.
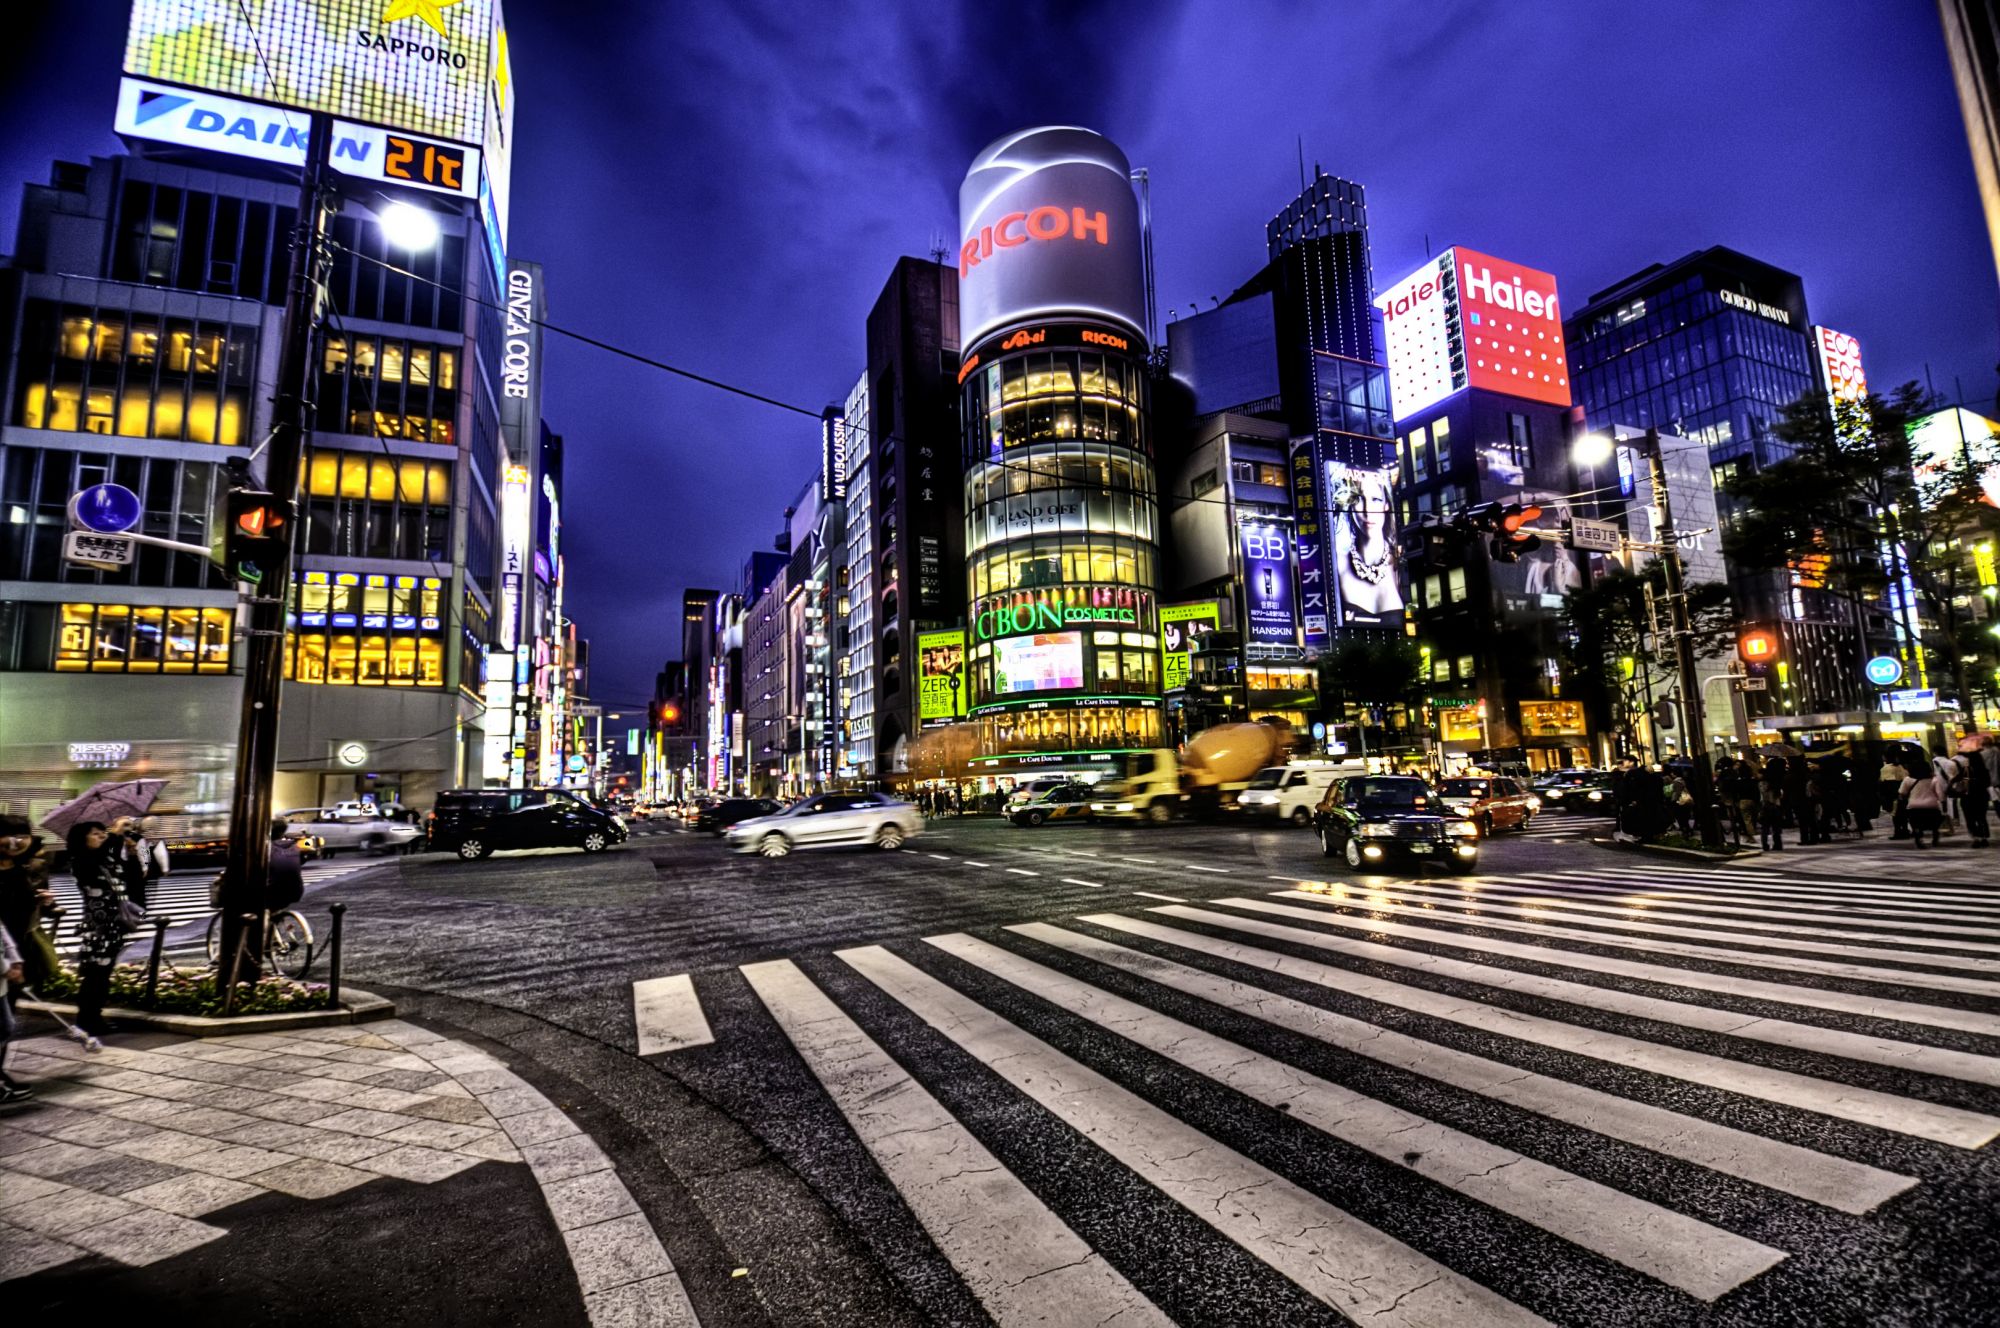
{"x":87,"y":637}
{"x":35,"y":489}
{"x":367,"y":629}
{"x":89,"y":369}
{"x":366,"y":506}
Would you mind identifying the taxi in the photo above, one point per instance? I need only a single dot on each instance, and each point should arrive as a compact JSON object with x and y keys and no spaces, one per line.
{"x":1068,"y":802}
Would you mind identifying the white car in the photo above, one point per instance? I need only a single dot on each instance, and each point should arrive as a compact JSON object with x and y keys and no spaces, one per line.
{"x":827,"y":820}
{"x":340,"y":829}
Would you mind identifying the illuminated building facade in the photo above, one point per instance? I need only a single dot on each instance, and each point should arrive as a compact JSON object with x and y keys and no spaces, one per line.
{"x":1062,"y":663}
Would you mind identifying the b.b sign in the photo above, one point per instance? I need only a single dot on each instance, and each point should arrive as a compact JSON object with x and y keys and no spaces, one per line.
{"x":1884,"y":670}
{"x":108,"y":509}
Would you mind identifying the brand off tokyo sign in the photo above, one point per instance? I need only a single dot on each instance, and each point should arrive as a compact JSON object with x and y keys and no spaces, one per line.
{"x":1467,"y":319}
{"x":1048,"y":225}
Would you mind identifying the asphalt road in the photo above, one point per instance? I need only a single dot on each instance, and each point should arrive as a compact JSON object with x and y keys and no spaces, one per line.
{"x":1204,"y":1075}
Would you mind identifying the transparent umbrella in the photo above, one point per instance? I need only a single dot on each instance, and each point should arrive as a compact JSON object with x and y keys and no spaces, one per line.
{"x":106,"y":802}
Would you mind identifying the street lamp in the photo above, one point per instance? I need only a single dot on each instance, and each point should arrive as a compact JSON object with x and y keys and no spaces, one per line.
{"x":407,"y":226}
{"x":1593,"y":450}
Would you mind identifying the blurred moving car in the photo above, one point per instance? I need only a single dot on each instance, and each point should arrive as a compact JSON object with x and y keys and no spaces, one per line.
{"x":1575,"y":791}
{"x":714,"y":818}
{"x":1491,"y":802}
{"x":1066,"y":802}
{"x":1024,"y":793}
{"x":352,"y":826}
{"x":826,"y":820}
{"x":1289,"y":792}
{"x":475,"y":823}
{"x":1371,"y":820}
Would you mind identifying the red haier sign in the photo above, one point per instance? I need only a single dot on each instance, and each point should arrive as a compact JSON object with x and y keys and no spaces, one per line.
{"x":1513,"y":329}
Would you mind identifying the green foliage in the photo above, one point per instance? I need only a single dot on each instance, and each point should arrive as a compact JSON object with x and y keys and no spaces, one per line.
{"x":184,"y":992}
{"x":1605,"y":623}
{"x":1371,"y":671}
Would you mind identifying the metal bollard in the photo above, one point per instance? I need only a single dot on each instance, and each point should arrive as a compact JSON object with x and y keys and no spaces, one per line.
{"x":339,"y":911}
{"x":160,"y":926}
{"x":236,"y":962}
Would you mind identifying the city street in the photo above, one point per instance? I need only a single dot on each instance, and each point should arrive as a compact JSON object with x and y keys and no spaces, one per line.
{"x":926,"y":1086}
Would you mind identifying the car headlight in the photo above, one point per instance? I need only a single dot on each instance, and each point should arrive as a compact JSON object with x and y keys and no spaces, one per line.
{"x":1121,"y":806}
{"x":1376,"y":832}
{"x":1258,"y":798}
{"x":618,"y":821}
{"x":1596,"y":795}
{"x":1461,"y":829}
{"x":1534,"y":802}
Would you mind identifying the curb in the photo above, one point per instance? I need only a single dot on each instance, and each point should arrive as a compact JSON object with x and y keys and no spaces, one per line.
{"x":1684,"y":854}
{"x":357,"y":1007}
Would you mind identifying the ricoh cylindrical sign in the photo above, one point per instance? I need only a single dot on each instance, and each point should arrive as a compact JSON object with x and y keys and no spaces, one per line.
{"x":1048,"y":225}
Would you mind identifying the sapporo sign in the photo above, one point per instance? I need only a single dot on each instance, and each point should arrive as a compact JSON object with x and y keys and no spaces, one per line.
{"x":1054,"y":608}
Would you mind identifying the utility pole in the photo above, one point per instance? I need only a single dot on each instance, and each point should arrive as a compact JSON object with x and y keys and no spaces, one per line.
{"x":248,"y":864}
{"x":1690,"y":686}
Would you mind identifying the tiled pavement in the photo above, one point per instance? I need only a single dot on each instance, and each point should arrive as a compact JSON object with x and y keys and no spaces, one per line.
{"x":127,"y":1152}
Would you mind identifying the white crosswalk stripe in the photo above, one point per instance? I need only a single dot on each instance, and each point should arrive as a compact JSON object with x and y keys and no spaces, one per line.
{"x":182,"y":897}
{"x":1770,"y":1076}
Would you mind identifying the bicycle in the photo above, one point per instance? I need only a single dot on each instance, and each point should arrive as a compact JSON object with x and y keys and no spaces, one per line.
{"x":288,"y":942}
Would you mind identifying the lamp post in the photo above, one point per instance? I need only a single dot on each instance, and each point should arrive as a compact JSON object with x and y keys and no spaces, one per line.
{"x":1592,"y":450}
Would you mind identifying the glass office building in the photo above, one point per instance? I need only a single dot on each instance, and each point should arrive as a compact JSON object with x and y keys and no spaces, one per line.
{"x":1062,"y":553}
{"x":1711,"y":347}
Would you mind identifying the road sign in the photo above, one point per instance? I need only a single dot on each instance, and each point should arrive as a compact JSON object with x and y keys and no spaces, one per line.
{"x":1753,"y":684}
{"x":1885,"y":670}
{"x":94,"y":550}
{"x":108,"y":509}
{"x":1587,"y":534}
{"x":1319,"y":730}
{"x":1917,"y":698}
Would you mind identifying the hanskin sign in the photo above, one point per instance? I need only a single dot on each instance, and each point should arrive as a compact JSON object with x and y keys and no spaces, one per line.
{"x":429,"y":67}
{"x":1467,"y":319}
{"x":941,"y":683}
{"x":1267,"y":583}
{"x":1047,"y":225}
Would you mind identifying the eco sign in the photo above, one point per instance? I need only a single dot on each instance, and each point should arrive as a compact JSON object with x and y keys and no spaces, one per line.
{"x":1053,"y":608}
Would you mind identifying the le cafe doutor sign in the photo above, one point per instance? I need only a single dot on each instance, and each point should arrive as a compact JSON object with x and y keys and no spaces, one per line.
{"x":1057,"y":608}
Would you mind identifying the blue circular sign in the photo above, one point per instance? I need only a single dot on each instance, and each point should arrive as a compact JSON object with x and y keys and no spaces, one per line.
{"x":1319,"y":730}
{"x":108,"y":509}
{"x":1885,"y":670}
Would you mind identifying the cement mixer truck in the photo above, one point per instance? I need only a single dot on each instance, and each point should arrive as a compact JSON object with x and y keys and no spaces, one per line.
{"x":1200,"y":780}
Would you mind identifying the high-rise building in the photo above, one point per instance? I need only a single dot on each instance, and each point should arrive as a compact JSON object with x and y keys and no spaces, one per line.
{"x":917,"y":529}
{"x":1972,"y":38}
{"x":855,"y":690}
{"x":1062,"y":667}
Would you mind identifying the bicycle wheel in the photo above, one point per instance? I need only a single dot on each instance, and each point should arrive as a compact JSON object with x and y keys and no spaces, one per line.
{"x":291,"y":948}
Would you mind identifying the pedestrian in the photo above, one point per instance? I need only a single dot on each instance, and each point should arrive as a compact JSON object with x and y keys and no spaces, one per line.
{"x":1978,"y":797}
{"x":1739,"y":789}
{"x":1771,"y":805}
{"x":11,"y":1090}
{"x":1924,"y":800}
{"x":105,"y":920}
{"x":141,"y":861}
{"x":1888,"y":786}
{"x":1681,"y":799}
{"x":24,"y":897}
{"x":1801,"y":799}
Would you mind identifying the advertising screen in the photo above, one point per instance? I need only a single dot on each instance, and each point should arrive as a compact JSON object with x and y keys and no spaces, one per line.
{"x":425,"y":66}
{"x":1367,"y":574}
{"x":1045,"y":662}
{"x":1314,"y":593}
{"x":1048,"y":224}
{"x":1267,"y":583}
{"x":1957,"y":440}
{"x":1840,"y":364}
{"x":1179,"y":625}
{"x":1467,"y":319}
{"x":940,"y":676}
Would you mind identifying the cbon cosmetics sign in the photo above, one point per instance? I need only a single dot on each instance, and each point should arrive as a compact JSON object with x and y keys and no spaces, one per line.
{"x":1467,"y":319}
{"x":1048,"y":225}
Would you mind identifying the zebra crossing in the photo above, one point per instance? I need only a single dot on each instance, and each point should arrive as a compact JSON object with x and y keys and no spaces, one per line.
{"x":1560,"y":827}
{"x":182,"y":897}
{"x":1630,"y":1094}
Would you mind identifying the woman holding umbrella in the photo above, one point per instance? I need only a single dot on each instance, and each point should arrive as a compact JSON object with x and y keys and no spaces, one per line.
{"x":102,"y":886}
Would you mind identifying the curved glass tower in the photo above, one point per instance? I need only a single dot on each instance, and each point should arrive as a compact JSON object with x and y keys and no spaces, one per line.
{"x":1060,"y":495}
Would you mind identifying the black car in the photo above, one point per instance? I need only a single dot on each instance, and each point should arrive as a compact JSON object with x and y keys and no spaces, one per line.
{"x":716,"y":817}
{"x":473,"y":823}
{"x":1369,"y":820}
{"x":1587,"y":791}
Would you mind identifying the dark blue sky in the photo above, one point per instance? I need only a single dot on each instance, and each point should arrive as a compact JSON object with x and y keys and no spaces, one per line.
{"x":726,"y":186}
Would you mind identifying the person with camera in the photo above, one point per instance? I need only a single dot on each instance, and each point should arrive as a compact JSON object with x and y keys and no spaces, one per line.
{"x":140,"y":860}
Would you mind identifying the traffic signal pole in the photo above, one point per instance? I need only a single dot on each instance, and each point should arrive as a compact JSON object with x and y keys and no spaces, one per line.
{"x":1703,"y":783}
{"x":248,"y":864}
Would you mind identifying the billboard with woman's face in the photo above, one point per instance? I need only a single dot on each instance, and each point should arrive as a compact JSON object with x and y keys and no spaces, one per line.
{"x":1361,"y":520}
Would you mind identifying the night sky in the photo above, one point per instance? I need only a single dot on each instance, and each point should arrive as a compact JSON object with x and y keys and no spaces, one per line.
{"x":725,"y":186}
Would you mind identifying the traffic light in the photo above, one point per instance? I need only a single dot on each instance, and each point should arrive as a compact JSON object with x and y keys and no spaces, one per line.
{"x":1757,"y":645}
{"x":1510,"y":541}
{"x":257,"y":533}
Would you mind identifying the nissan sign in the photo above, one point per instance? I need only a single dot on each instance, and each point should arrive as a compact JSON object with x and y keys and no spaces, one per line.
{"x":1048,"y":225}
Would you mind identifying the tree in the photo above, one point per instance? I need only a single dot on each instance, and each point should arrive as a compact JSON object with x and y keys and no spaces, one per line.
{"x":1366,"y":672}
{"x":1607,"y":622}
{"x":1868,"y":516}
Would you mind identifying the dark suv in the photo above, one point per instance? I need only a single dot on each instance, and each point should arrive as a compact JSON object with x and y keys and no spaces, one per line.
{"x":715,"y":817}
{"x":473,"y":823}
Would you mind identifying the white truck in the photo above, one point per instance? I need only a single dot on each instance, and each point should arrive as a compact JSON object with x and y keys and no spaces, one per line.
{"x":1289,"y":792}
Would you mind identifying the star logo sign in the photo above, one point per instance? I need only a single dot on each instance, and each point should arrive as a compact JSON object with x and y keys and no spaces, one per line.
{"x":430,"y":11}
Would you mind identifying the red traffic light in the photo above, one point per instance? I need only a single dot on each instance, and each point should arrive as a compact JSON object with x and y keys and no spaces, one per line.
{"x":258,"y":522}
{"x":670,"y":713}
{"x":1517,"y":516}
{"x":1757,"y":645}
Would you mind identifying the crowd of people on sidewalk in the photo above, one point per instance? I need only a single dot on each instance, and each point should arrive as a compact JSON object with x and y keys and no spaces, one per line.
{"x":1817,"y":796}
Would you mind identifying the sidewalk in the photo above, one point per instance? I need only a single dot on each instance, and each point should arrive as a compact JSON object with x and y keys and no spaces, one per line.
{"x":374,"y":1172}
{"x":1954,"y":862}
